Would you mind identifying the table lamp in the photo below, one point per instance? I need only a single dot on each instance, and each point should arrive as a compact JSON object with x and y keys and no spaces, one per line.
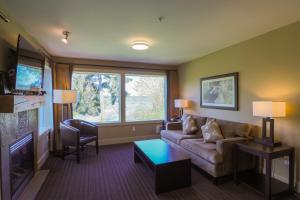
{"x":269,"y":110}
{"x":64,"y":97}
{"x":181,"y":104}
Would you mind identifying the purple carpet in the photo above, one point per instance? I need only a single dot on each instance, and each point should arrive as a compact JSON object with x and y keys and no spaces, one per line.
{"x":113,"y":175}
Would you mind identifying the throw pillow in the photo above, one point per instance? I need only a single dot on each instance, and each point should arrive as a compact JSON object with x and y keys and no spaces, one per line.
{"x":189,"y":126}
{"x":211,"y":131}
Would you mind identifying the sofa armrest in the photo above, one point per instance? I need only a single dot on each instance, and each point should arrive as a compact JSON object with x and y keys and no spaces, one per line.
{"x":225,"y":146}
{"x":174,"y":126}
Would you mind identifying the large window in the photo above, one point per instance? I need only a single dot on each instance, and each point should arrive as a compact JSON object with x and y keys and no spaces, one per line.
{"x":145,"y":97}
{"x":98,"y":97}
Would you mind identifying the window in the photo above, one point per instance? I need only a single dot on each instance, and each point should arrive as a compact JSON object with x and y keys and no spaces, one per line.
{"x":145,"y":97}
{"x":46,"y":110}
{"x":98,"y":97}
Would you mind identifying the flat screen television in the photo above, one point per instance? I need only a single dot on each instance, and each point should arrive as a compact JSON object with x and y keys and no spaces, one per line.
{"x":29,"y":67}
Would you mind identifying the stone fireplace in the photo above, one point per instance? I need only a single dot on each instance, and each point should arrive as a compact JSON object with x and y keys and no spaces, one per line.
{"x":18,"y":132}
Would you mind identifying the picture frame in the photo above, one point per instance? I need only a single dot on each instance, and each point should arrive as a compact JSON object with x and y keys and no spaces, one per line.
{"x":220,"y":92}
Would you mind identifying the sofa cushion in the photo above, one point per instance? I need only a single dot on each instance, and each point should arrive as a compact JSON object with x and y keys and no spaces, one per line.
{"x":175,"y":136}
{"x":211,"y":132}
{"x":206,"y":151}
{"x":200,"y":121}
{"x":189,"y":126}
{"x":233,"y":129}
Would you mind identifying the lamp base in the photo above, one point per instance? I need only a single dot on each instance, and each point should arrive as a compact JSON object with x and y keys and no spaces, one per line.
{"x":267,"y":141}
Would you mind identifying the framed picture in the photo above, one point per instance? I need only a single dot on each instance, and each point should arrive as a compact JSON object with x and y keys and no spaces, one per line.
{"x":220,"y":92}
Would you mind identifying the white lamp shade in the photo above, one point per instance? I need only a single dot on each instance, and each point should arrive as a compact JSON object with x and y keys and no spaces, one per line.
{"x":269,"y":109}
{"x":181,"y":103}
{"x":64,"y":96}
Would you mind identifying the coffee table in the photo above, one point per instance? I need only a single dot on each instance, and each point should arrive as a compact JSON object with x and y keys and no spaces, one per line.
{"x":171,"y":167}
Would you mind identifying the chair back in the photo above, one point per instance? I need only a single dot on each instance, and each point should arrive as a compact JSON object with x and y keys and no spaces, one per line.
{"x":76,"y":123}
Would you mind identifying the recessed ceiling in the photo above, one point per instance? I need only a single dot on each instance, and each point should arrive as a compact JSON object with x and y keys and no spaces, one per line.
{"x":102,"y":29}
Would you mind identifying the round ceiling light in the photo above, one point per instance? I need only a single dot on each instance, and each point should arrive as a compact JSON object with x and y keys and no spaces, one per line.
{"x":140,"y":45}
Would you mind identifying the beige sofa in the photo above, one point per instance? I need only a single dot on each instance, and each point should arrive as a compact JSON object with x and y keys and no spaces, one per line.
{"x":214,"y":158}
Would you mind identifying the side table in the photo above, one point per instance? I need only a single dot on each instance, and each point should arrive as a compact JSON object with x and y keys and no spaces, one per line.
{"x":265,"y":184}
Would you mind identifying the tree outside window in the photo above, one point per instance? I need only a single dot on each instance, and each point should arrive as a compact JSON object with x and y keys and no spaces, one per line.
{"x":98,"y":97}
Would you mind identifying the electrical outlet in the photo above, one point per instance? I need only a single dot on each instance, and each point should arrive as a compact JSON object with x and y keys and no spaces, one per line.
{"x":133,"y":128}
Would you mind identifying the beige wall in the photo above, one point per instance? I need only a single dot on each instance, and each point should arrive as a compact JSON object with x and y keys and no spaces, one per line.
{"x":127,"y":133}
{"x":269,"y":69}
{"x":10,"y":31}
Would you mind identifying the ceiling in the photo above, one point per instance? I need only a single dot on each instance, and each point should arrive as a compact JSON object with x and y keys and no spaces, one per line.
{"x":104,"y":29}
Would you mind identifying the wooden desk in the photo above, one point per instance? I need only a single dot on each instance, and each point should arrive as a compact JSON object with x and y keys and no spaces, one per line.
{"x":260,"y":182}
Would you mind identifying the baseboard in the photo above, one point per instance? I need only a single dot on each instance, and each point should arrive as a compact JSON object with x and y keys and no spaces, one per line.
{"x":126,"y":139}
{"x":43,"y":159}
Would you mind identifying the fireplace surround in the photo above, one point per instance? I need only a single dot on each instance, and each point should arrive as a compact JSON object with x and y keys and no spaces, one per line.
{"x":17,"y":129}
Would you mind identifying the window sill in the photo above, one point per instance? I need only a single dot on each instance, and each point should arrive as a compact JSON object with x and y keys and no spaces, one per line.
{"x":129,"y":123}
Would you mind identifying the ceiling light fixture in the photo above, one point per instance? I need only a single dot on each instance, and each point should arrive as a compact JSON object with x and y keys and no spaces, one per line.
{"x":140,"y":45}
{"x":65,"y":38}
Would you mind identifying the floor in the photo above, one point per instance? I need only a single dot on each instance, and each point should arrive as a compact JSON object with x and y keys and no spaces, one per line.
{"x":112,"y":175}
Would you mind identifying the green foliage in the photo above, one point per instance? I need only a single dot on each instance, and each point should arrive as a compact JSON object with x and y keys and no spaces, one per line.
{"x":90,"y":88}
{"x":99,"y":97}
{"x":146,"y":100}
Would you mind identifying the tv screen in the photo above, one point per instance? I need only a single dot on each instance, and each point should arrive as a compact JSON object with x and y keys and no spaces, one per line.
{"x":28,"y":77}
{"x":29,"y":67}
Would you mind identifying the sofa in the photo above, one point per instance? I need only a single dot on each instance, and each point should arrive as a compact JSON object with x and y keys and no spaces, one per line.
{"x":214,"y":158}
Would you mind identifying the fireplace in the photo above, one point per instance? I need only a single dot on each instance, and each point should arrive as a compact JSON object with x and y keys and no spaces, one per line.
{"x":21,"y":167}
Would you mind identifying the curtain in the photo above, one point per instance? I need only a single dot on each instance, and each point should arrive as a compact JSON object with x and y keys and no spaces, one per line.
{"x":62,"y":78}
{"x":172,"y":93}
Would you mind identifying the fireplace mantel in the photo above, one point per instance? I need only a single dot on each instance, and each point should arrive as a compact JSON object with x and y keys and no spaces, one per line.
{"x":19,"y":103}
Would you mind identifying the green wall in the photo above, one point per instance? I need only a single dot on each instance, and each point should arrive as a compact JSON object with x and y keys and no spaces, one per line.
{"x":269,"y":69}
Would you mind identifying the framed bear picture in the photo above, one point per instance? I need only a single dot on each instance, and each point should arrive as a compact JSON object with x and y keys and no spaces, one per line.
{"x":219,"y":92}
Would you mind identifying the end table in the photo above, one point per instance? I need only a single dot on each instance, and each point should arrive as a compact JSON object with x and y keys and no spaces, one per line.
{"x":265,"y":184}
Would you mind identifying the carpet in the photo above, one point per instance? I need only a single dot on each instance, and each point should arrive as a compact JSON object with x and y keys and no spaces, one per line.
{"x":113,"y":175}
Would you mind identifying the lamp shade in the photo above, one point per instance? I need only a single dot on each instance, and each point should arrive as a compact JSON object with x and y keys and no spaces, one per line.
{"x":269,"y":109}
{"x":181,"y":103}
{"x":64,"y":96}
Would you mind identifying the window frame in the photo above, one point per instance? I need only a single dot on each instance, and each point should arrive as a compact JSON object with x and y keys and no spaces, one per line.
{"x":123,"y":73}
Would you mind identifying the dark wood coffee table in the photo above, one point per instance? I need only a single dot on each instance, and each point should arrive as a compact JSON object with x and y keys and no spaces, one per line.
{"x":171,"y":167}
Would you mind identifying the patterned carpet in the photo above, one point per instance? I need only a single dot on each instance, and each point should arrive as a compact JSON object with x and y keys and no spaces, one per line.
{"x":112,"y":175}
